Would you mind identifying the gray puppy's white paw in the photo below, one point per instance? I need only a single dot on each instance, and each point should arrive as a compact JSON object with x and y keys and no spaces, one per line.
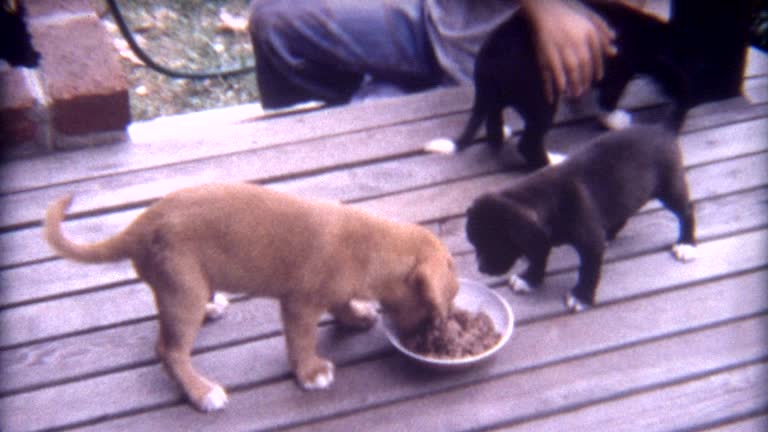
{"x":441,"y":145}
{"x":685,"y":252}
{"x":519,"y":285}
{"x":574,"y":304}
{"x":215,"y":400}
{"x":616,"y":119}
{"x":216,"y":307}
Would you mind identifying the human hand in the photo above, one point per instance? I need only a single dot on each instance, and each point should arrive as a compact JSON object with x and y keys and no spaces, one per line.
{"x":571,"y":42}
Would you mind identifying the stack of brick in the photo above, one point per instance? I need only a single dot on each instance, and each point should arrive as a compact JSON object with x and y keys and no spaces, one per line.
{"x":78,"y":96}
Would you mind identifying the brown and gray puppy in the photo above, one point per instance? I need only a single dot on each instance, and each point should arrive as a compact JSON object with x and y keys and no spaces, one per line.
{"x":312,"y":256}
{"x":582,"y":202}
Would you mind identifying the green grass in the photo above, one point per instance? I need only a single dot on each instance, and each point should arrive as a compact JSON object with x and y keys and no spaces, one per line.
{"x":184,"y":35}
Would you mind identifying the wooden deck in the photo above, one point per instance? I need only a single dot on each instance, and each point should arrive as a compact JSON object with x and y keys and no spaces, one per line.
{"x":670,"y":346}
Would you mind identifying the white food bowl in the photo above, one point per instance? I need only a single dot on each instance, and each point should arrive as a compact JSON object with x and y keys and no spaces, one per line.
{"x":473,"y":297}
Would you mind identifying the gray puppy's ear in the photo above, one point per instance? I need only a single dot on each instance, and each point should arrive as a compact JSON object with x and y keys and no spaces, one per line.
{"x":524,"y":227}
{"x":521,"y":224}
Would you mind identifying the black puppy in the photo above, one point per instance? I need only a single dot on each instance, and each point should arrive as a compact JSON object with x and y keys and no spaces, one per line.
{"x":15,"y":42}
{"x":582,"y":202}
{"x":508,"y":75}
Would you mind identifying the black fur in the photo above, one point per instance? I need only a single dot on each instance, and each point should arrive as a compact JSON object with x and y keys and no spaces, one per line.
{"x":507,"y":75}
{"x":582,"y":202}
{"x":15,"y":42}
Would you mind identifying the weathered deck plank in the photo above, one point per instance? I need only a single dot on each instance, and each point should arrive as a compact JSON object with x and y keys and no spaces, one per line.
{"x":20,"y":327}
{"x":758,"y":422}
{"x":196,"y":143}
{"x":134,"y":301}
{"x":365,"y":386}
{"x":697,"y":403}
{"x":148,"y":386}
{"x":717,"y":217}
{"x":270,"y":165}
{"x":554,"y":388}
{"x":259,"y":317}
{"x":438,"y":187}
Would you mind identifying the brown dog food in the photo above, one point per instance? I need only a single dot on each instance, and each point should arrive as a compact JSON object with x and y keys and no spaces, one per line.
{"x":463,"y":334}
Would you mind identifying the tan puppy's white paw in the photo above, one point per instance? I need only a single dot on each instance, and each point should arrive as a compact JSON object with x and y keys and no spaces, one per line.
{"x":441,"y":145}
{"x":556,"y":158}
{"x":616,"y":119}
{"x":685,"y":252}
{"x":322,"y":379}
{"x":216,"y":308}
{"x":519,"y":285}
{"x":215,"y":400}
{"x":365,"y":312}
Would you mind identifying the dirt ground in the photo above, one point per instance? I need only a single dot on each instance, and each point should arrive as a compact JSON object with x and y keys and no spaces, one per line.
{"x":189,"y":35}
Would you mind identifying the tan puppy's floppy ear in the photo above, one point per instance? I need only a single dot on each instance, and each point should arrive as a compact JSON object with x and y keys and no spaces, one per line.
{"x":426,"y":280}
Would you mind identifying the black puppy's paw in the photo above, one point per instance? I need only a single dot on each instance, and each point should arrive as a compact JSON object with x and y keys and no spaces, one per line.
{"x":573,"y":304}
{"x":519,"y":285}
{"x":616,"y":119}
{"x":685,"y":252}
{"x":556,"y":158}
{"x":441,"y":146}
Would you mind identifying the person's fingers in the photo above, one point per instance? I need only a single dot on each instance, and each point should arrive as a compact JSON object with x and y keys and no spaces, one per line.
{"x":560,"y":72}
{"x":554,"y":68}
{"x":572,"y":68}
{"x":603,"y":28}
{"x":596,"y":53}
{"x":587,"y":69}
{"x":549,"y":91}
{"x":606,"y":34}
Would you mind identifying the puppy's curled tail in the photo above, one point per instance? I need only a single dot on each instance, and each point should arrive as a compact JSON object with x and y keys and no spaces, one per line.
{"x":112,"y":249}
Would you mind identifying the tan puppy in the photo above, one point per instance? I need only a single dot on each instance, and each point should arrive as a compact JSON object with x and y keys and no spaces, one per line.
{"x":313,"y":256}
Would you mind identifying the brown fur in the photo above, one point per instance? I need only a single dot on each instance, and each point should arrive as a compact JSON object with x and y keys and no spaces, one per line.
{"x":312,"y":256}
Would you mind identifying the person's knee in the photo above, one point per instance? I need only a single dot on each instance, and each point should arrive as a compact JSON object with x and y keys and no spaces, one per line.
{"x":268,"y":17}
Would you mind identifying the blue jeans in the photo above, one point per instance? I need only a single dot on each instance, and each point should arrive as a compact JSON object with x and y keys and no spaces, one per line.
{"x":323,"y":49}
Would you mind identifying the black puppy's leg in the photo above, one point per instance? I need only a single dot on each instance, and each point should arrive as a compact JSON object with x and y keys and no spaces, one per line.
{"x":494,"y":126}
{"x":610,"y":92}
{"x":675,"y":84}
{"x":591,"y":262}
{"x":589,"y":242}
{"x":675,"y":198}
{"x":538,"y":119}
{"x":685,"y":249}
{"x":531,"y":147}
{"x":467,"y":136}
{"x":534,"y":274}
{"x":612,"y":87}
{"x":614,"y":230}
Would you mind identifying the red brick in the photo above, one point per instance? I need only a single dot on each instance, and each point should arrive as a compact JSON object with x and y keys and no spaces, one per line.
{"x":19,"y":111}
{"x":83,"y":77}
{"x":91,"y":113}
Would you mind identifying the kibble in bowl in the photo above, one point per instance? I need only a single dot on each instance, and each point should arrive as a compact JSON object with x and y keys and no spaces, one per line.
{"x":479,"y":325}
